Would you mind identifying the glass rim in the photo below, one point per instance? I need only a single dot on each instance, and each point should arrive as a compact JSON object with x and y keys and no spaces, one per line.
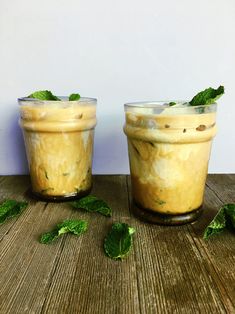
{"x":159,"y":104}
{"x":61,"y":101}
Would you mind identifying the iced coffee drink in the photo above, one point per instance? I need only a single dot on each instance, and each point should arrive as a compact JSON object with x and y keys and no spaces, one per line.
{"x":58,"y":137}
{"x":169,"y":149}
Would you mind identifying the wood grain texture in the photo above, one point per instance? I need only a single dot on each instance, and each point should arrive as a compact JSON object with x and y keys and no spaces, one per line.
{"x":90,"y":282}
{"x":175,"y":277}
{"x":170,"y":269}
{"x":218,"y":252}
{"x":26,"y":265}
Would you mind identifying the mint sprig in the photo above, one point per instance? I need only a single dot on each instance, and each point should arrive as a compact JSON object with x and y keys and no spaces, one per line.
{"x":207,"y":96}
{"x":47,"y":95}
{"x":74,"y":97}
{"x":43,"y":95}
{"x":225,"y":218}
{"x":74,"y":226}
{"x":11,"y":208}
{"x":118,"y":242}
{"x":93,"y":204}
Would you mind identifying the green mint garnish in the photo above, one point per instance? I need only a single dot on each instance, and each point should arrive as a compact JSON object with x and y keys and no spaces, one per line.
{"x":43,"y":95}
{"x":93,"y":204}
{"x":172,"y":103}
{"x":47,"y":95}
{"x":11,"y":208}
{"x":207,"y":97}
{"x":73,"y":97}
{"x":74,"y":226}
{"x":118,"y":242}
{"x":225,"y":218}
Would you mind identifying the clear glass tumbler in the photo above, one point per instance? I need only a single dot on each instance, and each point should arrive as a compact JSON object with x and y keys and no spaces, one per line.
{"x":58,"y":138}
{"x":169,"y":150}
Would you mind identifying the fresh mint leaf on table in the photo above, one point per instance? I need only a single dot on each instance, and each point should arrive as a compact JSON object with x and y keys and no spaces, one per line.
{"x":43,"y":95}
{"x":11,"y":208}
{"x":118,"y":242}
{"x":74,"y":226}
{"x":225,"y":218}
{"x":207,"y":97}
{"x":73,"y":97}
{"x":93,"y":204}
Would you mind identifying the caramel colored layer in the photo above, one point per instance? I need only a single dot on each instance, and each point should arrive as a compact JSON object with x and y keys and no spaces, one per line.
{"x":169,"y":165}
{"x":60,"y":164}
{"x":54,"y":117}
{"x":171,"y":129}
{"x":59,"y":144}
{"x":168,"y":179}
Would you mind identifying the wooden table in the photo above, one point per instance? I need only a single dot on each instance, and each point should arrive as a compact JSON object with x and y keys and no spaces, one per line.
{"x":170,"y":269}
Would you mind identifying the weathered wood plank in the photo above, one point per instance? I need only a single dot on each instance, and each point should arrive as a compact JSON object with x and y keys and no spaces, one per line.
{"x":2,"y":178}
{"x":172,"y":275}
{"x":27,"y":265}
{"x":223,"y":187}
{"x":170,"y":269}
{"x":218,"y":252}
{"x":85,"y":280}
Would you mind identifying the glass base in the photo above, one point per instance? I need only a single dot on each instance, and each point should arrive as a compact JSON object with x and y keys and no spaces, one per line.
{"x":59,"y":198}
{"x":150,"y":216}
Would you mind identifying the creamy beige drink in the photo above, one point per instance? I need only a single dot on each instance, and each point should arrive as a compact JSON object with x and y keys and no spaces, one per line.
{"x":169,"y":150}
{"x":59,"y":142}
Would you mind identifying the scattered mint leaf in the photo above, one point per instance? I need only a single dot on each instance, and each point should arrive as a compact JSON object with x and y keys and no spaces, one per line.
{"x":11,"y":208}
{"x":93,"y":204}
{"x":224,"y":218}
{"x":49,"y":237}
{"x":172,"y":103}
{"x":73,"y":97}
{"x":207,"y":97}
{"x":230,"y":215}
{"x":118,"y":242}
{"x":74,"y":226}
{"x":43,"y":95}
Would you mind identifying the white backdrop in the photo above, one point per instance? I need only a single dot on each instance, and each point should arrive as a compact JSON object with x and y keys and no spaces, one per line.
{"x":116,"y":51}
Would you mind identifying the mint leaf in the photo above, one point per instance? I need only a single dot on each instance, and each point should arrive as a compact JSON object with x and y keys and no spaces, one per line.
{"x":43,"y":95}
{"x":207,"y":97}
{"x":11,"y":208}
{"x":118,"y":242}
{"x":49,"y":237}
{"x":172,"y":103}
{"x":93,"y":204}
{"x":74,"y":226}
{"x":230,"y":215}
{"x":225,"y":218}
{"x":73,"y":97}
